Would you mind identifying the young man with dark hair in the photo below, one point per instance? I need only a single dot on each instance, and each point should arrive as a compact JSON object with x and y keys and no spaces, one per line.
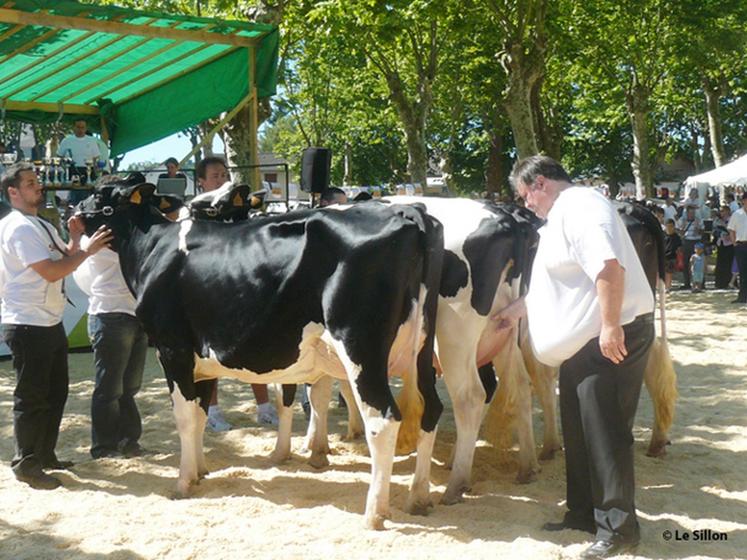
{"x":34,"y":261}
{"x":212,"y":173}
{"x":590,"y":313}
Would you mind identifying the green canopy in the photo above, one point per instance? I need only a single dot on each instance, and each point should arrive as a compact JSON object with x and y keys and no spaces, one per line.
{"x":138,"y":76}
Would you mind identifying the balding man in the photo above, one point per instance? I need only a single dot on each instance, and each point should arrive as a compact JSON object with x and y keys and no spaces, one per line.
{"x":590,"y":312}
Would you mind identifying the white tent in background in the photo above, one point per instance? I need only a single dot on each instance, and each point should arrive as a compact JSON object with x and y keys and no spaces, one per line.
{"x":734,"y":173}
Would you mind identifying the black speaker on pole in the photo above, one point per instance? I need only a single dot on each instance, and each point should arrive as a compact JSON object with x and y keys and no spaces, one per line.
{"x":315,"y":165}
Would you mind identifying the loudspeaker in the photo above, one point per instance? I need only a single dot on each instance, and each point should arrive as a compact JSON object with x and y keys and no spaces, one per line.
{"x":315,"y":164}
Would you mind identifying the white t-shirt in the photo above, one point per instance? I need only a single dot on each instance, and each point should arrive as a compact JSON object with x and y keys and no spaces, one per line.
{"x":738,"y":224}
{"x":100,"y":278}
{"x":583,"y":230}
{"x":27,"y":298}
{"x":82,"y":149}
{"x":670,"y":213}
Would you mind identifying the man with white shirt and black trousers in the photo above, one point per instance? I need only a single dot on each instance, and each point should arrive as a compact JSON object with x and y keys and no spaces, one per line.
{"x":34,"y":261}
{"x":737,"y":228}
{"x":119,"y":347}
{"x":590,"y":312}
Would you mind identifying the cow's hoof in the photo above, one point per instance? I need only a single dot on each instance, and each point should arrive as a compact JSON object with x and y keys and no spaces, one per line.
{"x":318,"y":460}
{"x":419,"y":507}
{"x":548,"y":454}
{"x":376,"y":522}
{"x":279,"y":457}
{"x":353,"y":435}
{"x":182,"y":490}
{"x":450,"y":498}
{"x":525,"y":477}
{"x":658,"y":449}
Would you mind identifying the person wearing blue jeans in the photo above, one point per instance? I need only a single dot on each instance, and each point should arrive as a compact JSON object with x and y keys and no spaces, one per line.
{"x":119,"y":348}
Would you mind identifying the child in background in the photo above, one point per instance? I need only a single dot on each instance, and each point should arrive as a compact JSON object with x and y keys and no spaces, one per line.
{"x":697,"y":268}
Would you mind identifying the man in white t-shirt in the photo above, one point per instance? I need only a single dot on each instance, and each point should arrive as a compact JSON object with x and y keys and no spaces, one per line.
{"x":33,"y":262}
{"x":737,"y":228}
{"x":79,"y":146}
{"x":590,"y":311}
{"x":119,"y":348}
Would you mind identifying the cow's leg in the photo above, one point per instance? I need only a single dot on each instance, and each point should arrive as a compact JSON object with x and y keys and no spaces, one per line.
{"x":379,"y":411}
{"x":513,"y":406}
{"x":284,"y":402}
{"x":355,"y":422}
{"x":467,"y":397}
{"x":317,"y":436}
{"x":528,"y":465}
{"x":545,"y":381}
{"x":191,"y":416}
{"x":204,"y":391}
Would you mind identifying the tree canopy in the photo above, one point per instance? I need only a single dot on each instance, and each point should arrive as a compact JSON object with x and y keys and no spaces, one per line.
{"x":401,"y":89}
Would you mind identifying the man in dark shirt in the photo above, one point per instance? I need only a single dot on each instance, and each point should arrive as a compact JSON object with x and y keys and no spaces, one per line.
{"x":672,"y":242}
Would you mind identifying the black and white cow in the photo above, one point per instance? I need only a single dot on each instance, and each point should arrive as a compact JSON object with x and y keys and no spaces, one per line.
{"x":488,"y":253}
{"x":359,"y":285}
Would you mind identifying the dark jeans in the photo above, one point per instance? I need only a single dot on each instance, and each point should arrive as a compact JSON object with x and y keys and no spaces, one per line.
{"x":119,"y":348}
{"x":40,"y":363}
{"x":740,"y":253}
{"x":598,"y":401}
{"x":688,"y":248}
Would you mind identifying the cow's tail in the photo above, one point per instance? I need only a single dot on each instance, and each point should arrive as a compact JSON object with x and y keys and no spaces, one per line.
{"x":410,"y":401}
{"x":418,"y":401}
{"x":661,"y":382}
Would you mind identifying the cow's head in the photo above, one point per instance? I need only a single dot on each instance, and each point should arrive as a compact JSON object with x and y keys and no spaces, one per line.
{"x":119,"y":202}
{"x":230,"y":203}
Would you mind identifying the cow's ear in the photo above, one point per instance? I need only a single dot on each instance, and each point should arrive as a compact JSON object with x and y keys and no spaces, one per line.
{"x":257,"y":199}
{"x":139,"y":193}
{"x":167,"y":203}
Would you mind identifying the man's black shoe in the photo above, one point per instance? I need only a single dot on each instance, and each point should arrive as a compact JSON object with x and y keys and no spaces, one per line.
{"x":738,"y":301}
{"x":103,"y":453}
{"x":604,"y":548}
{"x":39,"y":480}
{"x":131,"y":449}
{"x":587,"y":526}
{"x":57,"y":465}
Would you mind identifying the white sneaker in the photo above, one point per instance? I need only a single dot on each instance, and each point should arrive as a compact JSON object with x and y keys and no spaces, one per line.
{"x":215,"y":420}
{"x":266,"y":414}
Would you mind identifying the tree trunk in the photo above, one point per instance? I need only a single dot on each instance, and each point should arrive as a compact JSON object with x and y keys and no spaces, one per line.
{"x":547,"y":137}
{"x":417,"y":154}
{"x":347,"y":166}
{"x":494,"y":164}
{"x":695,"y":149}
{"x":713,"y":97}
{"x":638,"y":110}
{"x":519,"y":108}
{"x":238,"y":140}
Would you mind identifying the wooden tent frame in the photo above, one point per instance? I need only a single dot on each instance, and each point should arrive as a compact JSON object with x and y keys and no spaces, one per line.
{"x":21,"y":19}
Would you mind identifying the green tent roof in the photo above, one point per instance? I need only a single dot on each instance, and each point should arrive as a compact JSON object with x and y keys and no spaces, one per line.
{"x":148,"y":74}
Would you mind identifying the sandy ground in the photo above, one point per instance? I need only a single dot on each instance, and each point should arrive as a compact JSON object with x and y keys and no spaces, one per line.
{"x":122,"y":508}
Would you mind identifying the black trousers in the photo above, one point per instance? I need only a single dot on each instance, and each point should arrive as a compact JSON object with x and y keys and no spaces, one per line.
{"x":724,"y":258}
{"x":40,"y":363}
{"x":598,"y":401}
{"x":740,"y":253}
